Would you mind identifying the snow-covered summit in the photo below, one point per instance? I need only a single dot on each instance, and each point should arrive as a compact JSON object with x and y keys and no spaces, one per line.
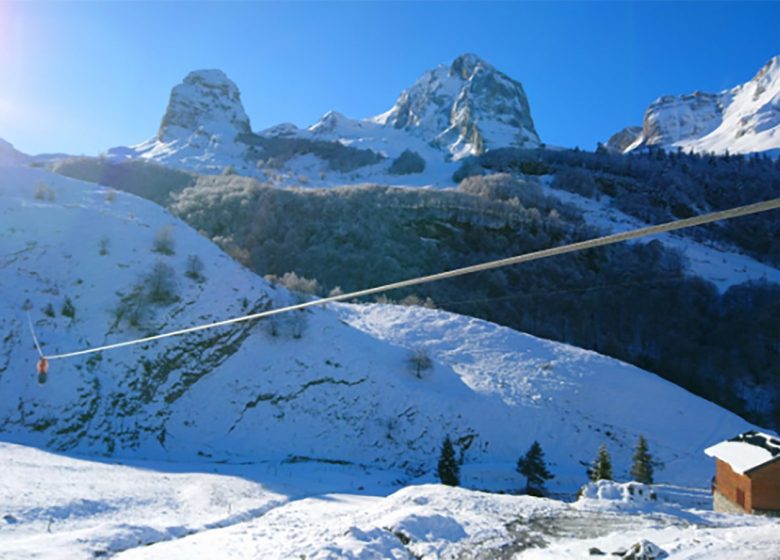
{"x":201,"y":126}
{"x":465,"y":109}
{"x":743,"y":119}
{"x":207,"y":102}
{"x":449,"y":113}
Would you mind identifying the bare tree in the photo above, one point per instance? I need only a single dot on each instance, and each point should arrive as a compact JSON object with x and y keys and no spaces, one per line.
{"x":419,"y":361}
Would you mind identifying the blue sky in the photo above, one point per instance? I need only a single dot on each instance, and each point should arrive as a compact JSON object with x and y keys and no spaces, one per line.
{"x":80,"y":77}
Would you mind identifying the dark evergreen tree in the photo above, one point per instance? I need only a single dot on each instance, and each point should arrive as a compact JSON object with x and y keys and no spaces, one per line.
{"x":601,"y":469}
{"x":642,"y":467}
{"x":49,"y":310}
{"x":449,"y":470}
{"x":68,"y":310}
{"x":534,"y":469}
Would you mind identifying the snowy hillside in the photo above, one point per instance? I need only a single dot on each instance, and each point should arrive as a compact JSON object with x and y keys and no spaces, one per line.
{"x":449,"y":113}
{"x":741,"y":120}
{"x":331,"y":384}
{"x":10,"y":156}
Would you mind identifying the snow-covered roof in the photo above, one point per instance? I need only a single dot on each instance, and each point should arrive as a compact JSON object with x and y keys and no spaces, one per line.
{"x":746,"y":451}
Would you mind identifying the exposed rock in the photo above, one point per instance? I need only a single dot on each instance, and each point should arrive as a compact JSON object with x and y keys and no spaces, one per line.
{"x":743,"y":119}
{"x":465,"y":108}
{"x":206,"y":102}
{"x":619,"y":141}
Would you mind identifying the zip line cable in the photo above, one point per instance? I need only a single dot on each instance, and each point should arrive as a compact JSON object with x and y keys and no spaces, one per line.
{"x":571,"y":290}
{"x":731,"y":213}
{"x":35,"y":338}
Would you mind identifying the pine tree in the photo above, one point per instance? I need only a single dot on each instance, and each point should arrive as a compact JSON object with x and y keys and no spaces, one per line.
{"x":68,"y":310}
{"x":642,"y":467}
{"x":534,"y":469}
{"x":449,"y":470}
{"x":601,"y":469}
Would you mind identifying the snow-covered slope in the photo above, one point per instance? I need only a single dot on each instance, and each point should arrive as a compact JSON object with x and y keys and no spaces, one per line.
{"x":10,"y":155}
{"x":331,"y":384}
{"x":744,"y":119}
{"x":723,"y":265}
{"x":59,"y":507}
{"x":449,"y":113}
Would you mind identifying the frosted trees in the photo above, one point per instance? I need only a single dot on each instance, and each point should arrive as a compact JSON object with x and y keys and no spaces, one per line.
{"x":195,"y":268}
{"x":163,"y":242}
{"x":419,"y":361}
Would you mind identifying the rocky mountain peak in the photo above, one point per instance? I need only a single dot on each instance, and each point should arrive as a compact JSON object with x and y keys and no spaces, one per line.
{"x":743,"y":119}
{"x":466,"y":109}
{"x":206,"y":102}
{"x":466,"y":64}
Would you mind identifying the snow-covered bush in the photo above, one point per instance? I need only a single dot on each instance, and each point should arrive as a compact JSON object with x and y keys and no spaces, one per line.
{"x":164,"y":242}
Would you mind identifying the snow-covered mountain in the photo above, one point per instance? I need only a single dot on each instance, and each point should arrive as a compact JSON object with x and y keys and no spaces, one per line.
{"x":331,"y":384}
{"x":449,"y":113}
{"x":466,"y":108}
{"x":744,"y":119}
{"x":201,"y":127}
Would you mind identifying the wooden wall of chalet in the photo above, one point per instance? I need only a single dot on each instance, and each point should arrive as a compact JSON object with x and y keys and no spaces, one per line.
{"x":734,"y":486}
{"x":766,"y":487}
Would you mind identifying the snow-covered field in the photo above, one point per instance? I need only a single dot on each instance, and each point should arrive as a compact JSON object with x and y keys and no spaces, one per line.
{"x":61,"y":507}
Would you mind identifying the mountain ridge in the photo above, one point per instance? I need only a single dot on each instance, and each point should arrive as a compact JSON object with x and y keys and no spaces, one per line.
{"x":449,"y":113}
{"x":743,"y":119}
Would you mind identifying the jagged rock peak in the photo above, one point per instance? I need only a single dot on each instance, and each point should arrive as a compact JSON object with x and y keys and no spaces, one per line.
{"x":743,"y":119}
{"x":466,"y":108}
{"x":208,"y":102}
{"x":621,"y":140}
{"x":466,"y":64}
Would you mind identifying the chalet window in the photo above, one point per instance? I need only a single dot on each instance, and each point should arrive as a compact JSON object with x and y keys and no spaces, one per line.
{"x":740,"y":498}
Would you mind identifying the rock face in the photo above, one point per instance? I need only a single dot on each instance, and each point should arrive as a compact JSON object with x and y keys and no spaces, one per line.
{"x":619,"y":141}
{"x":465,"y":108}
{"x":743,"y":119}
{"x":208,"y":103}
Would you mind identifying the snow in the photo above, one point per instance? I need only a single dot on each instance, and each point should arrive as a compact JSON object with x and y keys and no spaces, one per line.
{"x":745,"y":454}
{"x":301,"y":445}
{"x":338,"y":390}
{"x":10,"y":156}
{"x":717,"y":263}
{"x":58,"y":506}
{"x":741,"y":456}
{"x":437,"y":117}
{"x":742,"y":120}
